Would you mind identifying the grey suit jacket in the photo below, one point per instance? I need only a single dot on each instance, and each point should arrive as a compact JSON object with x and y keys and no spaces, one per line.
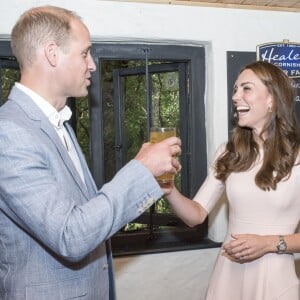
{"x":53,"y":227}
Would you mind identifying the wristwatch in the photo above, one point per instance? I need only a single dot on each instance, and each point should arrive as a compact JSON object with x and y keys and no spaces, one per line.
{"x":281,"y":246}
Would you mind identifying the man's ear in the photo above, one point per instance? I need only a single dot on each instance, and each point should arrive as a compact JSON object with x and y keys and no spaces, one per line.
{"x":51,"y":53}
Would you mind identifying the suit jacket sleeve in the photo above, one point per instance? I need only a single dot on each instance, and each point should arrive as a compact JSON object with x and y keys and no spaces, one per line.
{"x":38,"y":193}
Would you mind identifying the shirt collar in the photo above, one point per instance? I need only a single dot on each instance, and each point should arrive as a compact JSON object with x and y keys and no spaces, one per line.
{"x":56,"y":118}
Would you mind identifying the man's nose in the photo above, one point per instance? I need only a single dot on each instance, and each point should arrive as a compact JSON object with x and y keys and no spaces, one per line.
{"x":91,"y":64}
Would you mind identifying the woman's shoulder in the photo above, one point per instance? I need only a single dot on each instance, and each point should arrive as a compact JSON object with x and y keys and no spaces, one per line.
{"x":220,"y":149}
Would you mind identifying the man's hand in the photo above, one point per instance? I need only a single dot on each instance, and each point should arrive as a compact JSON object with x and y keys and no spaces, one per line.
{"x":159,"y":158}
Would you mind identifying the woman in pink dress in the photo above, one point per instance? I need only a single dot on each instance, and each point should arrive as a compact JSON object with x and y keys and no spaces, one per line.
{"x":259,"y":170}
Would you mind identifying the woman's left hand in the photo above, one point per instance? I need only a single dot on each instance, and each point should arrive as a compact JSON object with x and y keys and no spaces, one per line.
{"x":245,"y":247}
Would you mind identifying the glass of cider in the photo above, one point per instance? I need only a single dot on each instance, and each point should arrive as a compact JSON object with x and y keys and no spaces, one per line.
{"x":157,"y":134}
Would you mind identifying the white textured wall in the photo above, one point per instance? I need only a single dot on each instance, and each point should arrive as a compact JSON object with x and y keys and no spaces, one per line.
{"x":181,"y":275}
{"x":167,"y":276}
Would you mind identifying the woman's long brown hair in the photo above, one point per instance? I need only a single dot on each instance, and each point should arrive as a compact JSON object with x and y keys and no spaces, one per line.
{"x":282,"y":143}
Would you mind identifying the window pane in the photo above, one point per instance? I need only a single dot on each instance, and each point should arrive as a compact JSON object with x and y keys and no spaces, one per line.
{"x":135,"y":114}
{"x":8,"y":78}
{"x":164,"y":113}
{"x":83,"y":125}
{"x":165,"y":100}
{"x":107,"y":68}
{"x":132,"y":110}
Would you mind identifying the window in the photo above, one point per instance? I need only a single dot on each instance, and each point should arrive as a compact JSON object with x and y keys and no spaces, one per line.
{"x":134,"y":87}
{"x":137,"y":85}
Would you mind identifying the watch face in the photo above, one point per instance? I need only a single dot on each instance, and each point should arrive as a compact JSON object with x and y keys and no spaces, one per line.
{"x":282,"y":246}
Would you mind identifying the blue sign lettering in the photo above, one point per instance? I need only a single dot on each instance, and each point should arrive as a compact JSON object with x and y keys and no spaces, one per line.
{"x":284,"y":55}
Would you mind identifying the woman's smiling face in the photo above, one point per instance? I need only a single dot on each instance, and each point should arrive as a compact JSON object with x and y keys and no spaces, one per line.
{"x":252,"y":101}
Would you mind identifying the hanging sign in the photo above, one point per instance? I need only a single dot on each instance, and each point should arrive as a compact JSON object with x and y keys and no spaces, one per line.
{"x":285,"y":55}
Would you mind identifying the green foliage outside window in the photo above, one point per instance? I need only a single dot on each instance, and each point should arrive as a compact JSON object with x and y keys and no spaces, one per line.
{"x":7,"y":79}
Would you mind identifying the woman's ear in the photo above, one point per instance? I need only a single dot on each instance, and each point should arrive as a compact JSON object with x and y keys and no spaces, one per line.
{"x":270,"y":103}
{"x":51,"y":53}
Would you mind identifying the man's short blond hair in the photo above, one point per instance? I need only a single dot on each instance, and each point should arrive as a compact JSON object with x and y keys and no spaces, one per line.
{"x":35,"y":27}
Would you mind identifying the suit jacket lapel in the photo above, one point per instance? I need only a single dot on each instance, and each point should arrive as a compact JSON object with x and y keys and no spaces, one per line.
{"x":50,"y":131}
{"x":35,"y":114}
{"x":89,"y":181}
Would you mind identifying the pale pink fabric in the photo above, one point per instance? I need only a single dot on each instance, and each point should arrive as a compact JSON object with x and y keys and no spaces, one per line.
{"x":252,"y":210}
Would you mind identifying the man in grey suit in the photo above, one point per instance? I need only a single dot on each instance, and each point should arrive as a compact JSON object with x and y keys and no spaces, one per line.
{"x":54,"y":223}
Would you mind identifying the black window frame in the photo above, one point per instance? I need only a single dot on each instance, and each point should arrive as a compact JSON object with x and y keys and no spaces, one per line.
{"x":181,"y":237}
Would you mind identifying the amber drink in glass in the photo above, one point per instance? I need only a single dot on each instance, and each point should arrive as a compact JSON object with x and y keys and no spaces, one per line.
{"x":157,"y":134}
